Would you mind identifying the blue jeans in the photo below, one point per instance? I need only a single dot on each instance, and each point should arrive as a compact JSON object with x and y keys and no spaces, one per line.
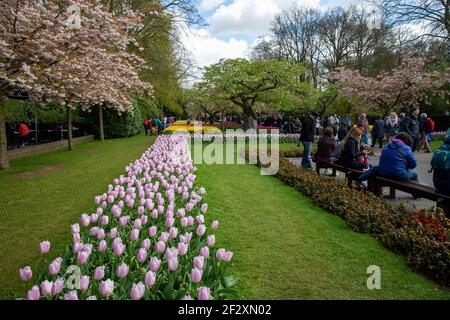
{"x":408,"y":175}
{"x":366,"y":138}
{"x":306,"y":159}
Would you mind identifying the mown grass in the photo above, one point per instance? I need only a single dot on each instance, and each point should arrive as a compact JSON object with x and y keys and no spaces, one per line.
{"x":41,"y":196}
{"x":287,"y":248}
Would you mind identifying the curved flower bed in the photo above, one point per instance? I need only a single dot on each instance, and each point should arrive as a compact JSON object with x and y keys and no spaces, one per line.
{"x":147,"y":239}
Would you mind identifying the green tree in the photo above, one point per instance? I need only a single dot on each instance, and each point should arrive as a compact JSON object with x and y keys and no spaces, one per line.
{"x":246,"y":83}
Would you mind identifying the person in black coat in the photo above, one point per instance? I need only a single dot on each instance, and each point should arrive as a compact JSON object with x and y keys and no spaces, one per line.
{"x":350,"y":150}
{"x":307,"y":139}
{"x":410,"y":125}
{"x":378,"y":132}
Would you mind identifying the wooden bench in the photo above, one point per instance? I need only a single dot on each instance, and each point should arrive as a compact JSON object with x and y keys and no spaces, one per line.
{"x":350,"y":174}
{"x":376,"y":184}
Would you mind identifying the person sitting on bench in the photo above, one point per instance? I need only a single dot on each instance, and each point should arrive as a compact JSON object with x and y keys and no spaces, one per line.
{"x":350,"y":150}
{"x":441,"y":173}
{"x":397,"y":159}
{"x":326,"y":147}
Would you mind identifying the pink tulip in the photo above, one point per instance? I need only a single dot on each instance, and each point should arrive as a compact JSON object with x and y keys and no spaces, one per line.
{"x":155,"y":214}
{"x":160,"y":246}
{"x":187,"y":298}
{"x":34,"y":293}
{"x":99,"y":211}
{"x":75,"y":228}
{"x":228,"y":256}
{"x":155,"y":264}
{"x":142,"y":255}
{"x":200,"y":219}
{"x":110,"y":199}
{"x":144,"y":220}
{"x":146,"y":244}
{"x":152,"y":231}
{"x":199,"y":262}
{"x":105,"y":220}
{"x":150,"y":278}
{"x":204,"y":208}
{"x":137,"y":291}
{"x":181,"y":213}
{"x":189,"y":207}
{"x":196,"y":275}
{"x":104,"y":205}
{"x":93,"y":231}
{"x":106,"y":288}
{"x":204,"y":252}
{"x":102,"y":246}
{"x":54,"y":268}
{"x":91,"y":298}
{"x":164,"y":237}
{"x":94,"y":218}
{"x":87,"y":248}
{"x":202,"y":191}
{"x":141,"y":210}
{"x":191,"y":221}
{"x":204,"y":293}
{"x":85,"y":220}
{"x":44,"y":247}
{"x":182,"y":248}
{"x":171,"y":253}
{"x":211,"y":240}
{"x":77,"y":247}
{"x":99,"y":273}
{"x":113,"y":233}
{"x":72,"y":295}
{"x":122,"y":270}
{"x":215,"y":225}
{"x":134,"y":235}
{"x":76,"y":238}
{"x":123,"y":221}
{"x":173,"y":232}
{"x":82,"y":257}
{"x":119,"y":248}
{"x":84,"y":283}
{"x":184,"y":222}
{"x":57,"y":287}
{"x":137,"y":224}
{"x":46,"y":288}
{"x":25,"y":273}
{"x":104,"y":197}
{"x":173,"y":264}
{"x":201,"y":229}
{"x":100,"y":234}
{"x":97,"y":200}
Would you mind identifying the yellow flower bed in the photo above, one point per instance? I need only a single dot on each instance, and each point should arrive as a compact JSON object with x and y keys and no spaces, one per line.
{"x":192,"y":129}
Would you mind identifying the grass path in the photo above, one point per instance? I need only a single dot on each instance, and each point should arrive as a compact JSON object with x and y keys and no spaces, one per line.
{"x":288,"y":248}
{"x":41,"y":196}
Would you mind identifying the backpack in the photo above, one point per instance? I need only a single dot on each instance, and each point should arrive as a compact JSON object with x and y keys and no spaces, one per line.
{"x":430,"y":124}
{"x":441,"y":158}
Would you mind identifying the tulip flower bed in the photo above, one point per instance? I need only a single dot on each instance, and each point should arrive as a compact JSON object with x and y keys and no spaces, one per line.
{"x":146,"y":239}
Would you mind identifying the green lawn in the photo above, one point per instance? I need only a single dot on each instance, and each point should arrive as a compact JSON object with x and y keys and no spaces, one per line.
{"x":41,"y":196}
{"x":287,"y":248}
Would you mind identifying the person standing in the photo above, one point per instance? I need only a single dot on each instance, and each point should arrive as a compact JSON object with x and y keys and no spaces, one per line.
{"x":410,"y":125}
{"x":347,"y":122}
{"x":378,"y":132}
{"x":425,"y":128}
{"x":392,"y":125}
{"x":307,"y":139}
{"x":24,"y":132}
{"x":363,"y":124}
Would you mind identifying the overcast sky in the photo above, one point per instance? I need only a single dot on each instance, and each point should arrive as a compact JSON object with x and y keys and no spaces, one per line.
{"x":234,"y":25}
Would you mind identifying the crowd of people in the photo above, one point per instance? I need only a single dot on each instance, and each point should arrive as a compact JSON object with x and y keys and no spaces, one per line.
{"x":157,"y":124}
{"x":349,"y":146}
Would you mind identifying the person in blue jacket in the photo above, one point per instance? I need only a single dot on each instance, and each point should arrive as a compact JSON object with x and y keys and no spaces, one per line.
{"x":397,"y":159}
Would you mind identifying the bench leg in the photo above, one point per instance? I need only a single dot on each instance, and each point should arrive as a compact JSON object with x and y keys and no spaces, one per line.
{"x":334,"y":173}
{"x":392,"y":193}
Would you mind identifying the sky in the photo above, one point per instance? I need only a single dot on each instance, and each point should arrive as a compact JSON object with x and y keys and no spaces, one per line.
{"x":235,"y":25}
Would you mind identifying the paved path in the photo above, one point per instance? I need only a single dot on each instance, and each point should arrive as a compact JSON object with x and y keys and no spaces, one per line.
{"x":423,"y":165}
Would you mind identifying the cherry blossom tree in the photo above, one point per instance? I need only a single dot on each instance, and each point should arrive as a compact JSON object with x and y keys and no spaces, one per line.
{"x":46,"y":55}
{"x":407,"y":85}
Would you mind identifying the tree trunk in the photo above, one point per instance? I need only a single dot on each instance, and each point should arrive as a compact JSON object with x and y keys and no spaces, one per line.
{"x":69,"y":129}
{"x":100,"y":121}
{"x":4,"y":163}
{"x":248,"y":112}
